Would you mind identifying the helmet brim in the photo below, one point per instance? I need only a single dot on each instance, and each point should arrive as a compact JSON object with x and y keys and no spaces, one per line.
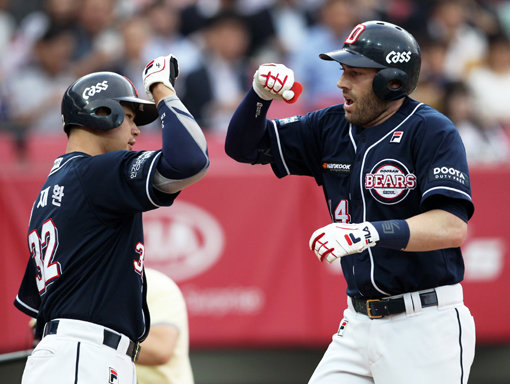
{"x":146,"y":112}
{"x":351,"y":58}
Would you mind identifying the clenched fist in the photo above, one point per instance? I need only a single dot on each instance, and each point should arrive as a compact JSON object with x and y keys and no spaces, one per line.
{"x":163,"y":69}
{"x":338,"y":240}
{"x":275,"y":81}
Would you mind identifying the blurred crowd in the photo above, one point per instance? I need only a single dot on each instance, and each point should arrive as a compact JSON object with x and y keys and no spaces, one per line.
{"x":46,"y":44}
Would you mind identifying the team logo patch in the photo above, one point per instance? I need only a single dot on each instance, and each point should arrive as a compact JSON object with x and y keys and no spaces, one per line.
{"x":113,"y":378}
{"x":450,"y":174}
{"x":137,"y":164}
{"x":288,"y":120}
{"x":389,"y":182}
{"x":396,"y":137}
{"x":337,"y":167}
{"x":342,"y":326}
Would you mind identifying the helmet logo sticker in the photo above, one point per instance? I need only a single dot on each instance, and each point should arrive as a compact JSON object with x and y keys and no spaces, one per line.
{"x":91,"y":91}
{"x":353,"y":36}
{"x":398,"y":57}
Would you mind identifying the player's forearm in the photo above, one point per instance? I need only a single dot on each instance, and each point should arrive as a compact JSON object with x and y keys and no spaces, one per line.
{"x":432,"y":230}
{"x":160,"y":92}
{"x":435,"y":229}
{"x":184,"y":145}
{"x":247,"y":129}
{"x":159,"y":345}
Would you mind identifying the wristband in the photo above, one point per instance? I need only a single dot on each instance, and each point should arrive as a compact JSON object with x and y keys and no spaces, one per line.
{"x":393,"y":234}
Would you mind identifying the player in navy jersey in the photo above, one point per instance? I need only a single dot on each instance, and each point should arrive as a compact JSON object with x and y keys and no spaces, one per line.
{"x":396,"y":182}
{"x":85,"y":281}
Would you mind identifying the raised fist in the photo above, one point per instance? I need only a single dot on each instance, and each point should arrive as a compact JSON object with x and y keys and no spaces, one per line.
{"x":163,"y":69}
{"x":274,"y":81}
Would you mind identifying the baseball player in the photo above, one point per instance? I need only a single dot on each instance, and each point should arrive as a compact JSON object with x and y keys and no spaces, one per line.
{"x":164,"y":356}
{"x":396,"y":183}
{"x":85,"y":282}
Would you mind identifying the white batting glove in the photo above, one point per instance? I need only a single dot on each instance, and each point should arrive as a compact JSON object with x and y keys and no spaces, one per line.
{"x":274,"y":81}
{"x":163,"y":69}
{"x":338,"y":240}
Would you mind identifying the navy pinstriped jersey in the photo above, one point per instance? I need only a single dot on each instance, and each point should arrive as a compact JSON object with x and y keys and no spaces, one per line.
{"x":391,"y":171}
{"x":85,"y":241}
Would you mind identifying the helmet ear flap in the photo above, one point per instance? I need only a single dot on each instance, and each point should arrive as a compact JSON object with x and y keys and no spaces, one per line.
{"x":113,"y":117}
{"x":382,"y":87}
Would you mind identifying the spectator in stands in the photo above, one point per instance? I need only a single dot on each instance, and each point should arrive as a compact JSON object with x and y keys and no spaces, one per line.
{"x":466,"y":44}
{"x":164,"y":356}
{"x":490,"y":83}
{"x":98,"y":42}
{"x":215,"y":88}
{"x":432,"y":81}
{"x":337,"y":18}
{"x":7,"y":25}
{"x":485,"y":141}
{"x":54,"y":13}
{"x":163,"y":17}
{"x":290,"y":21}
{"x":257,"y":19}
{"x":35,"y":90}
{"x":135,"y":32}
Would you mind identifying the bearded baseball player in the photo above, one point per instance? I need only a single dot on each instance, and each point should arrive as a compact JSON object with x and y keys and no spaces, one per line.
{"x":396,"y":183}
{"x":85,"y":281}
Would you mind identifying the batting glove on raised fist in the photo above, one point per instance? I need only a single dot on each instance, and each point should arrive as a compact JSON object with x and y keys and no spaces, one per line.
{"x":338,"y":240}
{"x":274,"y":81}
{"x":163,"y":69}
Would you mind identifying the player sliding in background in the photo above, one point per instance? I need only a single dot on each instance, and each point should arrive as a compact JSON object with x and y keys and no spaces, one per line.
{"x":396,"y":183}
{"x":85,"y":281}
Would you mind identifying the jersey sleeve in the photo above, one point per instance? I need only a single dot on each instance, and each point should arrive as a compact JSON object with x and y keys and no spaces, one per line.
{"x":121,"y":181}
{"x":442,"y":167}
{"x":295,"y":146}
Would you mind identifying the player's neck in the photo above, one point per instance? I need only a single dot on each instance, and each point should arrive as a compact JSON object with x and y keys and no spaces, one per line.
{"x":82,"y":141}
{"x":392,"y":108}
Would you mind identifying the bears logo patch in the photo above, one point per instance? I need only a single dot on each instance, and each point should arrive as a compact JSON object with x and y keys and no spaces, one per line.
{"x":389,"y":182}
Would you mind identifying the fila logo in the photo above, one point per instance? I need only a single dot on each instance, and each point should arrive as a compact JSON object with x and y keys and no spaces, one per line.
{"x":398,"y":57}
{"x":113,"y":377}
{"x":396,"y":137}
{"x":91,"y":91}
{"x":341,"y":329}
{"x":351,"y":239}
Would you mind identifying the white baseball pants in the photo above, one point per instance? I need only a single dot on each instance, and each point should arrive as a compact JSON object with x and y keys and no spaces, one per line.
{"x":76,"y":354}
{"x":421,"y":346}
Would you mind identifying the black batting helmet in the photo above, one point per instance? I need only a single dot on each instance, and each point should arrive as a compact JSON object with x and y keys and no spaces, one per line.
{"x":388,"y":47}
{"x":103,"y":90}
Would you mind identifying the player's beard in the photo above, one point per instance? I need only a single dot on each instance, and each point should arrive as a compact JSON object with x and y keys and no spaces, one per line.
{"x":367,"y":110}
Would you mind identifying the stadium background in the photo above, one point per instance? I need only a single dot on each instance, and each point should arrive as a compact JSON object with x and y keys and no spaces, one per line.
{"x":260,"y":310}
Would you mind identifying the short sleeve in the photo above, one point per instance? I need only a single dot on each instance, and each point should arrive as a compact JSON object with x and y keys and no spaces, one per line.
{"x":441,"y":163}
{"x":121,"y":181}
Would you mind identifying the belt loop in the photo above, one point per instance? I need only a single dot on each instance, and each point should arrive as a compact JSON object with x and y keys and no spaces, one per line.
{"x":111,"y":339}
{"x":416,"y":299}
{"x":409,"y":304}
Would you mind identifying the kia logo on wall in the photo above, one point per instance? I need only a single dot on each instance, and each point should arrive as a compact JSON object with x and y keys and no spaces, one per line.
{"x":182,"y":241}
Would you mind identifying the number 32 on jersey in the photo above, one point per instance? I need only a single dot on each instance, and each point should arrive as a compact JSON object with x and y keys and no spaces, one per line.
{"x":47,"y":270}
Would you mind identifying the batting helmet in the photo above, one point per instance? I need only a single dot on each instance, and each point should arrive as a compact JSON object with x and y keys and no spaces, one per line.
{"x":388,"y":47}
{"x":103,"y":90}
